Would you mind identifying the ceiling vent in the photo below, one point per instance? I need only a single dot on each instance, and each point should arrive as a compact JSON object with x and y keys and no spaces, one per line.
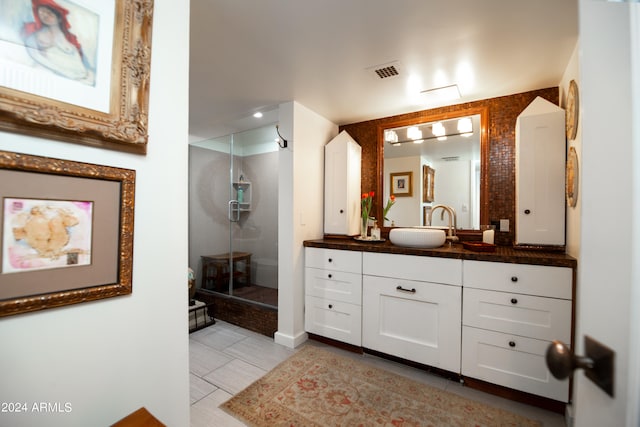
{"x":451,"y":158}
{"x":384,"y":71}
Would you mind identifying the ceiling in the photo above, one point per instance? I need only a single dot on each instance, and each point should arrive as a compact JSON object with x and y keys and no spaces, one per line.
{"x":252,"y":55}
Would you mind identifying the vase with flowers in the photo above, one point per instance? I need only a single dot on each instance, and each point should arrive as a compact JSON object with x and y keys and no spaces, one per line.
{"x":366,"y":203}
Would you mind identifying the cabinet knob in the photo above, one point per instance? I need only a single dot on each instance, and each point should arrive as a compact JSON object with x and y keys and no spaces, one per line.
{"x":514,"y":279}
{"x":330,"y":305}
{"x":512,"y":343}
{"x":514,"y":301}
{"x":330,"y":260}
{"x":330,"y":276}
{"x":341,"y":210}
{"x":527,"y":211}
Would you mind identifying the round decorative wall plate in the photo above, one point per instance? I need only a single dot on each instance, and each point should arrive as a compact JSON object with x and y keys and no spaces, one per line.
{"x":572,"y":178}
{"x":573,"y":103}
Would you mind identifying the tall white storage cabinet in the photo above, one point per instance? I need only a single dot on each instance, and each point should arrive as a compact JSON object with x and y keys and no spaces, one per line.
{"x":540,"y":175}
{"x":342,"y":158}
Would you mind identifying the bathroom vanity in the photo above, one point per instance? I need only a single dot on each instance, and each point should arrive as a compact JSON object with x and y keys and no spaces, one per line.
{"x":485,"y":317}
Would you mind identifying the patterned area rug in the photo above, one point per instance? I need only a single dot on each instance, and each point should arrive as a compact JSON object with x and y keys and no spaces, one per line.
{"x":317,"y":388}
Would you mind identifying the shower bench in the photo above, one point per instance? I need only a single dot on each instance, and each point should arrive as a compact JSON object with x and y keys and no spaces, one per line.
{"x":215,"y":270}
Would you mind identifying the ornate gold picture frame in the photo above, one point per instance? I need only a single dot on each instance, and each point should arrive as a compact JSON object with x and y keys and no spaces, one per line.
{"x":402,"y":184}
{"x":106,"y":105}
{"x":428,"y":183}
{"x":42,"y":264}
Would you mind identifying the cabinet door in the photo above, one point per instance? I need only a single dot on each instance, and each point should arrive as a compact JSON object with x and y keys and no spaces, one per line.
{"x":417,"y":321}
{"x":510,"y":361}
{"x":540,"y":174}
{"x":342,"y":186}
{"x":334,"y":319}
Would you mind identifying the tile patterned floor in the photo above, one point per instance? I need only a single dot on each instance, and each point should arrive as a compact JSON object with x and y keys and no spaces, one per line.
{"x":224,"y":359}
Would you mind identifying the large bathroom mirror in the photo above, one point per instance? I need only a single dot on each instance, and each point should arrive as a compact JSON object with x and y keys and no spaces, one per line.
{"x":435,"y":159}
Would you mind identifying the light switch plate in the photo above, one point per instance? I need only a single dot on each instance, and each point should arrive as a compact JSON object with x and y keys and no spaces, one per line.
{"x":504,"y":225}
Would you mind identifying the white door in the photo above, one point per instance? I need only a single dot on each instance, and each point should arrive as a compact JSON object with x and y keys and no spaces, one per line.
{"x":608,"y":301}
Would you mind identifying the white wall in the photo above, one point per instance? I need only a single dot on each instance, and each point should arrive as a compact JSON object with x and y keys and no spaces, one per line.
{"x":300,"y":210}
{"x":110,"y":357}
{"x":406,"y":211}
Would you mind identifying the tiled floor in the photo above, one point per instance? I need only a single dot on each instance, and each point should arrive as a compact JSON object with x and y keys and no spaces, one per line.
{"x":224,"y":359}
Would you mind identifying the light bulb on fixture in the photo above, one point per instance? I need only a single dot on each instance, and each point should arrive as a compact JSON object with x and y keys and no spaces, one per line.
{"x":414,"y":133}
{"x":390,"y":136}
{"x":465,"y":127}
{"x":438,"y":129}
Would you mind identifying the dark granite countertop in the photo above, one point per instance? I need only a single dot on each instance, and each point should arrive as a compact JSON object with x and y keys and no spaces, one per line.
{"x":502,"y":253}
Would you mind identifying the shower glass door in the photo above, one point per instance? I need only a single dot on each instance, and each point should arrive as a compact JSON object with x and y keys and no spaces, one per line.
{"x":251,"y":270}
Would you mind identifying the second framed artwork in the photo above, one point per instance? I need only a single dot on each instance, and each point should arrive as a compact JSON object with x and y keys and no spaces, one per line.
{"x":77,"y":71}
{"x":428,"y":184}
{"x":66,"y":232}
{"x":402,"y":184}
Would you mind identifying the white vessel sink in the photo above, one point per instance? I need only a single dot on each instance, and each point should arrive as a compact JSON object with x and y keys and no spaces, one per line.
{"x":417,"y":237}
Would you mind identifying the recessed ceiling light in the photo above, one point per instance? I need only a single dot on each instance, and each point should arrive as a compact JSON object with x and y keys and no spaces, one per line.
{"x":257,"y":115}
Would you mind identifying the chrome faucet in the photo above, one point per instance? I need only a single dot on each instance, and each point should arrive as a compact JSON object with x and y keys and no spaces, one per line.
{"x":453,"y":221}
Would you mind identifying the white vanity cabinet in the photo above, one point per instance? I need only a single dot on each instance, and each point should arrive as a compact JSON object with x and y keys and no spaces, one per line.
{"x":511,"y":313}
{"x":342,"y":158}
{"x":333,"y":294}
{"x":411,"y":308}
{"x":540,"y":175}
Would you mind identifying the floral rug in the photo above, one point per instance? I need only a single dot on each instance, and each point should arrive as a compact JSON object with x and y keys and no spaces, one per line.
{"x":315,"y":387}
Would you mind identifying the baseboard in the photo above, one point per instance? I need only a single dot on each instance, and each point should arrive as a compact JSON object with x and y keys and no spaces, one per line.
{"x":290,"y":341}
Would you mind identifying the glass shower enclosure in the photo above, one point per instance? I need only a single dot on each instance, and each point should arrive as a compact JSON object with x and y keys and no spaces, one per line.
{"x":233,"y":222}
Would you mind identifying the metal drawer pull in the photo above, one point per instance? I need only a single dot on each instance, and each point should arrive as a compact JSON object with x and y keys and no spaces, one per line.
{"x":513,"y":300}
{"x":401,"y":289}
{"x":514,"y":279}
{"x":512,"y":343}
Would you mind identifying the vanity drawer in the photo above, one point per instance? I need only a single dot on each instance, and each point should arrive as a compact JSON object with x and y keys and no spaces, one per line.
{"x":555,"y":282}
{"x":334,"y":319}
{"x":337,"y":285}
{"x":410,"y":267}
{"x":524,"y":315}
{"x":333,"y":259}
{"x":510,"y":361}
